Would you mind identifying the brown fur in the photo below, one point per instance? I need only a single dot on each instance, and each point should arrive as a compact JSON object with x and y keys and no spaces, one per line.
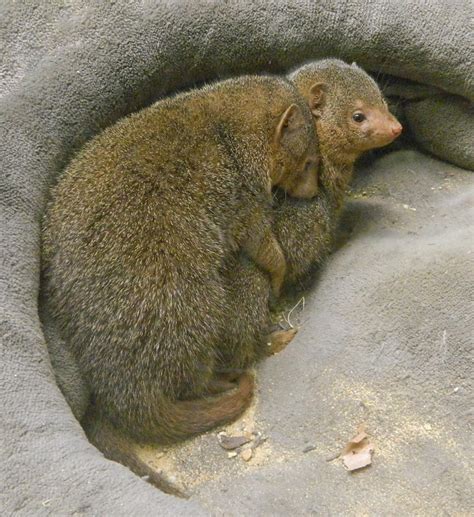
{"x":305,"y":229}
{"x":344,"y":90}
{"x":116,"y":446}
{"x":137,"y":235}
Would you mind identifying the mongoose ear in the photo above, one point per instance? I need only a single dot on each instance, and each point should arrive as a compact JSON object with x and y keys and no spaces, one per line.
{"x":291,"y":122}
{"x":316,"y":98}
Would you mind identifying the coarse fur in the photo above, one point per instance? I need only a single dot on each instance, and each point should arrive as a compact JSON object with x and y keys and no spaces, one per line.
{"x":306,"y":229}
{"x":344,"y":91}
{"x":137,"y":235}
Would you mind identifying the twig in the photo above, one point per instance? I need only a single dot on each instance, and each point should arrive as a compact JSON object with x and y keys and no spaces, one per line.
{"x":291,"y":312}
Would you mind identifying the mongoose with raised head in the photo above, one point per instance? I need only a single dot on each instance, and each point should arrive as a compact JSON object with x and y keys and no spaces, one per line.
{"x":350,"y":114}
{"x":138,"y":232}
{"x":350,"y":117}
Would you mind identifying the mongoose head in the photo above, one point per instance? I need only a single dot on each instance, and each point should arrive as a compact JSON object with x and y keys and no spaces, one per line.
{"x":349,"y":110}
{"x":272,"y":117}
{"x":295,"y":163}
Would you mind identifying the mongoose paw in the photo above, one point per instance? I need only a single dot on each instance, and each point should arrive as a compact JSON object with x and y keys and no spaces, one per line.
{"x":276,"y":287}
{"x":278,"y":340}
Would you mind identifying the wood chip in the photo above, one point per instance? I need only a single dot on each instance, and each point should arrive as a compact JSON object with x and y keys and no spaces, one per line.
{"x":358,"y":452}
{"x":232,"y":442}
{"x":258,"y":439}
{"x":358,"y":459}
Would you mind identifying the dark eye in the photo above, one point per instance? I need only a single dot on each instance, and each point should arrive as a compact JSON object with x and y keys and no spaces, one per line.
{"x":358,"y":117}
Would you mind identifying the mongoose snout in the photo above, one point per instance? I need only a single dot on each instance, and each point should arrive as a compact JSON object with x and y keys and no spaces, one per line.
{"x":305,"y":185}
{"x":375,"y":124}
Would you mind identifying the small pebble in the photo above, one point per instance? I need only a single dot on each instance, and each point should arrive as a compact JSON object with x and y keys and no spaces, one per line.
{"x":246,"y":454}
{"x":309,"y":448}
{"x":232,"y":454}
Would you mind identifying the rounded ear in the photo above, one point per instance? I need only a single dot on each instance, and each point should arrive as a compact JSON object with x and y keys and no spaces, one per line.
{"x":290,"y":125}
{"x":316,"y":97}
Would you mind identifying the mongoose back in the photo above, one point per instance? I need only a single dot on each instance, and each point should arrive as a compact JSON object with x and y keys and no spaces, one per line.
{"x":136,"y":235}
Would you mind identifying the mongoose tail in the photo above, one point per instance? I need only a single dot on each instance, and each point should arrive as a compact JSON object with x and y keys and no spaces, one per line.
{"x":178,"y":420}
{"x":191,"y":417}
{"x":117,"y":447}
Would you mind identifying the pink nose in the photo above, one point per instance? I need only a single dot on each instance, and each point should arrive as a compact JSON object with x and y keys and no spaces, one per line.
{"x":396,"y":129}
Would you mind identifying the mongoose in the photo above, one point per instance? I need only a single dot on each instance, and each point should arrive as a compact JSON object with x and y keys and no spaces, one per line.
{"x":137,"y":235}
{"x":350,"y":116}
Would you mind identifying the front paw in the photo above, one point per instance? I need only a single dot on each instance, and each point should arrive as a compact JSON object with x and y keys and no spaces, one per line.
{"x":276,"y":285}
